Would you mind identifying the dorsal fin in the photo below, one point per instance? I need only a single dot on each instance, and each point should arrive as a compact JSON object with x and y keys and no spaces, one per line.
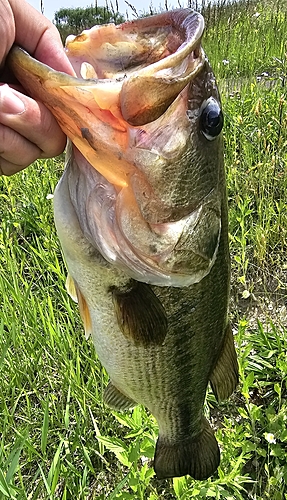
{"x":224,"y":377}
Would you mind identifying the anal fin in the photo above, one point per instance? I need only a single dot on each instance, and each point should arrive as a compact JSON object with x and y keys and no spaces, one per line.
{"x":224,"y":377}
{"x":197,"y":456}
{"x":116,"y":399}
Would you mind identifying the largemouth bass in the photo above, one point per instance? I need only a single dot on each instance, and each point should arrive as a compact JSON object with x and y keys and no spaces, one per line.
{"x":141,"y":214}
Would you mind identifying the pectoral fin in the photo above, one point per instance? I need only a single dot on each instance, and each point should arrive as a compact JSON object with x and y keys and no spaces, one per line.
{"x":70,"y":287}
{"x":224,"y":377}
{"x":116,"y":399}
{"x":140,"y":314}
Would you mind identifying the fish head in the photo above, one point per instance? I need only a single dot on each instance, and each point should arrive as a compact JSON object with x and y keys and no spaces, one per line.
{"x":145,"y":171}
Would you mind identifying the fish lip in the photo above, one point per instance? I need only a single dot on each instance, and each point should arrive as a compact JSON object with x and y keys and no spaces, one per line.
{"x":156,"y":78}
{"x":20,"y":57}
{"x":18,"y":54}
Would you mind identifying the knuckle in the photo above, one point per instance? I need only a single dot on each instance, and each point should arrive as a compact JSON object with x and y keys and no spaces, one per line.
{"x":55,"y":138}
{"x":16,"y":152}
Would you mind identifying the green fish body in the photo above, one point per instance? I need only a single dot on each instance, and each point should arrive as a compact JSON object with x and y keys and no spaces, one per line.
{"x":141,"y":214}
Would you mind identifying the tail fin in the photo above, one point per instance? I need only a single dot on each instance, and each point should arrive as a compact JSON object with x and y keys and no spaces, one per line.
{"x":197,"y":456}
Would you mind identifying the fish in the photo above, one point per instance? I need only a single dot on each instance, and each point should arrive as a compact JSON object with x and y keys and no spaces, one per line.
{"x":141,"y":214}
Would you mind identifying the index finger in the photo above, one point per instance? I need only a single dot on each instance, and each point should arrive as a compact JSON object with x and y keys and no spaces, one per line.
{"x":36,"y":34}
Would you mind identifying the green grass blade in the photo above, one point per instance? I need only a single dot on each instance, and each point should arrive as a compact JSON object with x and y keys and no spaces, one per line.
{"x":45,"y":427}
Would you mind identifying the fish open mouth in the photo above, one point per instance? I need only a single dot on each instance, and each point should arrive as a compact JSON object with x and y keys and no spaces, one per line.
{"x":130,"y":90}
{"x":127,"y":76}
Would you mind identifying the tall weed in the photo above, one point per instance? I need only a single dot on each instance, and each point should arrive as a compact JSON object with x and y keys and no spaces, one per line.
{"x":57,"y":440}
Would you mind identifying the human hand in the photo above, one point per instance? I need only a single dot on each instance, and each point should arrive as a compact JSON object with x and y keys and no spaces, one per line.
{"x":28,"y":129}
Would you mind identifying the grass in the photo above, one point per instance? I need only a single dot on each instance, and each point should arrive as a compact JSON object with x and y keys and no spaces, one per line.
{"x":57,"y":439}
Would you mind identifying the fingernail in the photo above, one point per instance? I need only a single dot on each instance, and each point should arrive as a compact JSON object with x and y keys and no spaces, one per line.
{"x":10,"y":103}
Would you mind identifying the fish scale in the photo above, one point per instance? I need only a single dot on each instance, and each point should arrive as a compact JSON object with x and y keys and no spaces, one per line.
{"x":141,"y":214}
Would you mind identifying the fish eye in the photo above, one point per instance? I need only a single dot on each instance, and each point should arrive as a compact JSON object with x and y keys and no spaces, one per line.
{"x":211,"y":119}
